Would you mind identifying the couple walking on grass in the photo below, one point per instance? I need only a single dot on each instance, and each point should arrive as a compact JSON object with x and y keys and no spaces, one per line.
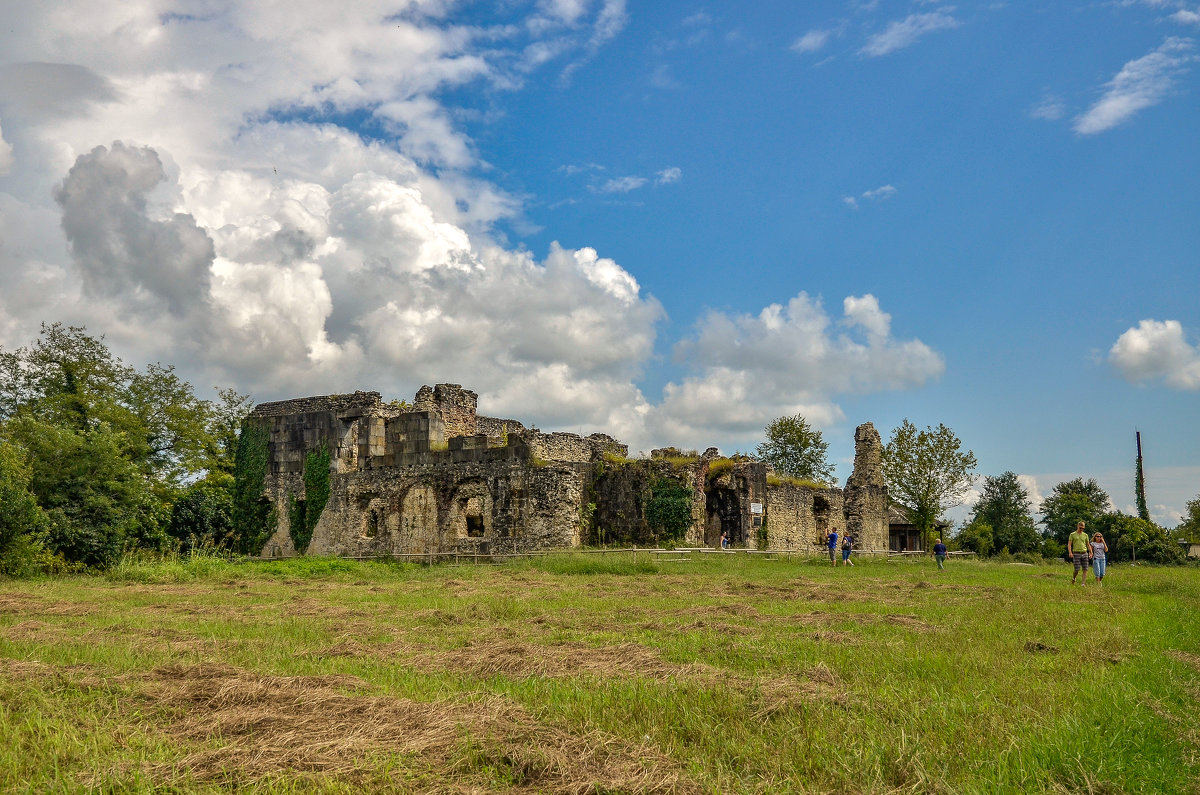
{"x":831,"y":541}
{"x":1085,"y":552}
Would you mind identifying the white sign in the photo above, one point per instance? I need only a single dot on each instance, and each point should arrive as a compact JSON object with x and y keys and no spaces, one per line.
{"x":756,"y":507}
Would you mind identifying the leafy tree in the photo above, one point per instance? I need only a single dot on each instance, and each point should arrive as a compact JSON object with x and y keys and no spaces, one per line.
{"x":1005,"y":507}
{"x":1189,"y":528}
{"x":225,"y":420}
{"x":22,"y":521}
{"x":795,"y":449}
{"x":1071,"y":502}
{"x":1133,"y":538}
{"x":926,"y":472}
{"x":96,"y":500}
{"x":70,"y":379}
{"x":975,"y":536}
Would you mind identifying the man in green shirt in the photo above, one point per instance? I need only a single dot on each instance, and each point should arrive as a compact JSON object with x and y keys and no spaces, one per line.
{"x":1078,"y":544}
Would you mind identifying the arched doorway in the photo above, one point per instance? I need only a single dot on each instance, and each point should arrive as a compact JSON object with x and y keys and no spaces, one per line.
{"x":723,"y":511}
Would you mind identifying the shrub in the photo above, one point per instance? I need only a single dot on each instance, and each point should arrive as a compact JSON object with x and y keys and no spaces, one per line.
{"x":668,"y":509}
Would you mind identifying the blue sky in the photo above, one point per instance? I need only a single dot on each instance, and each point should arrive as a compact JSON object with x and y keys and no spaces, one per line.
{"x":669,"y":221}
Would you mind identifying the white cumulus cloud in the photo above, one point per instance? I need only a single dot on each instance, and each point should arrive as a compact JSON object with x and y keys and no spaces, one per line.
{"x":1141,"y":83}
{"x":787,"y":359}
{"x":1155,"y":350}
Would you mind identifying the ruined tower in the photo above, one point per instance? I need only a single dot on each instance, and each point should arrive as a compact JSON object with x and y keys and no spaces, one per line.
{"x":865,"y":494}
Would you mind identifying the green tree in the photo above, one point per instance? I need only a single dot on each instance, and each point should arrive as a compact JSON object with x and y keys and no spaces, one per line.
{"x":926,"y":472}
{"x":97,"y":501}
{"x":1189,"y":528}
{"x":1133,"y":538}
{"x":1005,"y":507}
{"x":1071,"y":502}
{"x":71,"y":379}
{"x":975,"y":536}
{"x":22,"y":522}
{"x":795,"y":449}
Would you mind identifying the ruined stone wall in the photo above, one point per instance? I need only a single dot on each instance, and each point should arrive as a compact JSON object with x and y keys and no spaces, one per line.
{"x":455,"y":405}
{"x":866,"y":500}
{"x":356,"y":403}
{"x":799,"y":517}
{"x":729,"y":495}
{"x":498,"y":428}
{"x":413,"y":432}
{"x":481,"y":506}
{"x":573,"y":447}
{"x":619,"y":490}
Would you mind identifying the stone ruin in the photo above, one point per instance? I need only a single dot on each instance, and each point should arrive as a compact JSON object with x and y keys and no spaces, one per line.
{"x":436,"y":478}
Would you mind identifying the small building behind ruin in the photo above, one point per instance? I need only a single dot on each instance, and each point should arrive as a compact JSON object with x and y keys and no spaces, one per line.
{"x":353,"y":475}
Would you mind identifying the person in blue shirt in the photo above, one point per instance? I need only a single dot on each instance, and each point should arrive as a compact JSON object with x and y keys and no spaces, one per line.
{"x":831,"y":541}
{"x":939,"y":552}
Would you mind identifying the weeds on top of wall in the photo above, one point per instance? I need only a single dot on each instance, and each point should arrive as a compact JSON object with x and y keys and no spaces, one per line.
{"x":777,"y":480}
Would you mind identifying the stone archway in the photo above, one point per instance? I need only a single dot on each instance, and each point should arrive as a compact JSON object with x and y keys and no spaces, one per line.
{"x":723,"y":511}
{"x":471,"y":512}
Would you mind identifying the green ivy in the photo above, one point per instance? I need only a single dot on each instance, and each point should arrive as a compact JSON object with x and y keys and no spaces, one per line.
{"x":253,"y":517}
{"x":668,"y":509}
{"x":316,"y":494}
{"x":297,"y":523}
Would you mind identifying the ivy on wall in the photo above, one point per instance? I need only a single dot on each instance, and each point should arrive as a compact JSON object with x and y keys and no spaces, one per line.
{"x":303,"y":515}
{"x":253,"y":515}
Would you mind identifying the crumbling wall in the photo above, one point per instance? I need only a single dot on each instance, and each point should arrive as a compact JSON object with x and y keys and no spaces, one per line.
{"x":498,"y":428}
{"x":866,"y":499}
{"x":481,"y":506}
{"x":730,"y":492}
{"x":800,"y":517}
{"x":455,"y":405}
{"x":573,"y":447}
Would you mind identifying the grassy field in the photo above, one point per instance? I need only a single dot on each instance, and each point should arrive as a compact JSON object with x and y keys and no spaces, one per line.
{"x":583,"y":673}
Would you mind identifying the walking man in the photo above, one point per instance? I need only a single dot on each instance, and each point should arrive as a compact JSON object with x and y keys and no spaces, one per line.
{"x":1078,"y":544}
{"x":939,"y":552}
{"x":831,"y":542}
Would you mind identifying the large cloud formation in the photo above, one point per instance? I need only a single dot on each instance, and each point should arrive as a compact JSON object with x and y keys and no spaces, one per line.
{"x":173,"y":175}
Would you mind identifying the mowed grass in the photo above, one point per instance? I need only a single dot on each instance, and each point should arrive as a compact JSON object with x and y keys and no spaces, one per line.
{"x":588,"y":673}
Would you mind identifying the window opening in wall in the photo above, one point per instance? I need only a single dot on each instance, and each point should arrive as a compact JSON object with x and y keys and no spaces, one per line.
{"x":474,"y":526}
{"x":372,"y":527}
{"x":821,"y":510}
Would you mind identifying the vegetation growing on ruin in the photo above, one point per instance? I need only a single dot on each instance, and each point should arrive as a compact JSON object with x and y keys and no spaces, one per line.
{"x":316,"y":488}
{"x":718,"y":467}
{"x":777,"y":480}
{"x":253,"y":516}
{"x":599,"y":672}
{"x":668,"y":509}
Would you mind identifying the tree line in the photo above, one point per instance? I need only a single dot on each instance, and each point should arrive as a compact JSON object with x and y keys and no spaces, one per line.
{"x":928,"y":472}
{"x":98,"y":458}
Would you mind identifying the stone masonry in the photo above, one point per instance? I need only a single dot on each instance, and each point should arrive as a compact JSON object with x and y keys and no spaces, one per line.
{"x":436,"y":478}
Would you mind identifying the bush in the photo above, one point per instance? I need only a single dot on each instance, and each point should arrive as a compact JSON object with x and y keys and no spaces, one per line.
{"x":202,"y":518}
{"x":669,"y":509}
